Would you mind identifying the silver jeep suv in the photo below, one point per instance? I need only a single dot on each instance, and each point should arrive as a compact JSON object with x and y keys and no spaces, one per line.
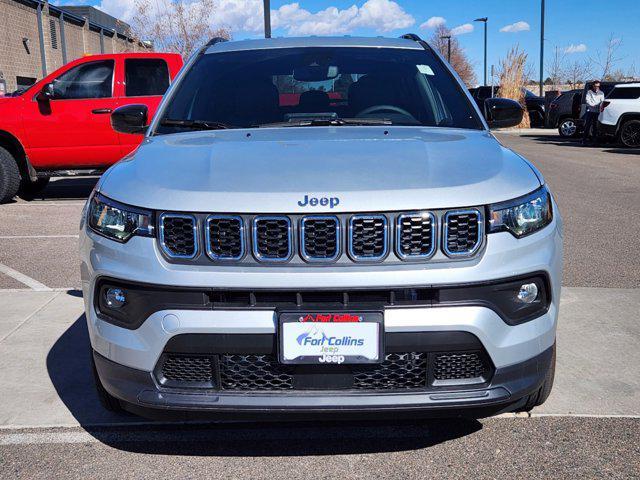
{"x":321,"y":225}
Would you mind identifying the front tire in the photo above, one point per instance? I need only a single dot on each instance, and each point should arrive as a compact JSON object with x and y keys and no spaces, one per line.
{"x":630,"y":134}
{"x":108,"y":401}
{"x":540,"y":396}
{"x":9,"y":176}
{"x":568,"y":128}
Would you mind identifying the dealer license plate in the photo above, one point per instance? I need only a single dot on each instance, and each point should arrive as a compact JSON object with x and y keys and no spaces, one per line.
{"x":322,"y":338}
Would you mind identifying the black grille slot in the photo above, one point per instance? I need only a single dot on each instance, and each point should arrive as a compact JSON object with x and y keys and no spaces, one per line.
{"x":225,"y":238}
{"x":272,"y":238}
{"x":368,"y":237}
{"x":320,"y":238}
{"x":459,"y":366}
{"x":187,"y":370}
{"x":254,"y":373}
{"x":399,"y":371}
{"x":178,"y":235}
{"x":415,"y":235}
{"x":463,"y":232}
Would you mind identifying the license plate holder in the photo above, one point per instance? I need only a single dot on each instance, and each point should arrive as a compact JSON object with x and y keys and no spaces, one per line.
{"x":325,"y":338}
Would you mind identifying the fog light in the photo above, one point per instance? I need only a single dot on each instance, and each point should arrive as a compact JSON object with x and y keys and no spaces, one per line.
{"x":528,"y":292}
{"x":115,"y":298}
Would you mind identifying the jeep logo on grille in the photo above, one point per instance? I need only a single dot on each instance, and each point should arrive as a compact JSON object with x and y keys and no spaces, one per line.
{"x":322,"y":201}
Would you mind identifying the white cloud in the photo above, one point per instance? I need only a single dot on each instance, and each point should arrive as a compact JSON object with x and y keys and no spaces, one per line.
{"x":246,"y":16}
{"x":516,"y":27}
{"x":379,"y":15}
{"x":433,"y":22}
{"x":579,"y":48}
{"x":462,"y":29}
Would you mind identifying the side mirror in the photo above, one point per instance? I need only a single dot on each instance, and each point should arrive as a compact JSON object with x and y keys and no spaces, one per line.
{"x":130,"y":119}
{"x":46,"y":93}
{"x":502,"y":112}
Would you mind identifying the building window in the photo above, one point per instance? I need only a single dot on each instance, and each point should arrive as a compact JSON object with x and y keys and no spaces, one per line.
{"x":25,"y":82}
{"x":54,"y":34}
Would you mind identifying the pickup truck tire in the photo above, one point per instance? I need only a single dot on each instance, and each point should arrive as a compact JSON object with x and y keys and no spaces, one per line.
{"x":540,"y":396}
{"x":28,"y":188}
{"x":9,"y":176}
{"x":630,"y":133}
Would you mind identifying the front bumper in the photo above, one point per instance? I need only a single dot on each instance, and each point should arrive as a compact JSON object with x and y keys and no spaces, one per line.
{"x":507,"y":391}
{"x":519,"y":355}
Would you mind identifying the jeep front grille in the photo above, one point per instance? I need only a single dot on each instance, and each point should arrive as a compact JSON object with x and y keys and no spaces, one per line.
{"x":340,"y":239}
{"x":415,"y":235}
{"x":225,"y":237}
{"x":368,"y":237}
{"x":272,"y":238}
{"x":179,"y":235}
{"x":462,"y":232}
{"x":320,"y":238}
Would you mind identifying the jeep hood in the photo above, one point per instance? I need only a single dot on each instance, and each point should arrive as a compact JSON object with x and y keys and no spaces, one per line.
{"x":367,"y":168}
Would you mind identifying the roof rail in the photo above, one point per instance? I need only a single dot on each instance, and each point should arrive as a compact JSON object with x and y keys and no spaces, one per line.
{"x":411,"y":36}
{"x":215,"y":40}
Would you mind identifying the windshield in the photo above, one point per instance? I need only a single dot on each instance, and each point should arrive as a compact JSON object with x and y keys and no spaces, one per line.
{"x":317,"y":86}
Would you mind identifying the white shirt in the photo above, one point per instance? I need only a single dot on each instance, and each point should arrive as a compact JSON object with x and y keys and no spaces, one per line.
{"x":594,"y":99}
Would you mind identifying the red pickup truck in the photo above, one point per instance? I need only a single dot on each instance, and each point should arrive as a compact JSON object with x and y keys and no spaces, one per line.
{"x":61,"y":124}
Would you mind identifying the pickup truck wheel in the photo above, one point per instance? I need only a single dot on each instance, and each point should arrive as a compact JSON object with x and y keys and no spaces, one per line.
{"x":630,"y":134}
{"x":28,"y":188}
{"x":540,"y":396}
{"x":568,"y":128}
{"x":9,"y":176}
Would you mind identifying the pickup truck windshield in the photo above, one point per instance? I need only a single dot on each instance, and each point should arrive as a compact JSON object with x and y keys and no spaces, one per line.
{"x":305,"y":87}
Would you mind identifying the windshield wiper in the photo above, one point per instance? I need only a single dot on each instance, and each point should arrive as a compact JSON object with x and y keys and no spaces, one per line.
{"x":194,"y":124}
{"x":327,"y":121}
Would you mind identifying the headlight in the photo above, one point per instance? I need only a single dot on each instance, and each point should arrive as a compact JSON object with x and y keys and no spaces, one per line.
{"x":117,"y":221}
{"x":523,"y":215}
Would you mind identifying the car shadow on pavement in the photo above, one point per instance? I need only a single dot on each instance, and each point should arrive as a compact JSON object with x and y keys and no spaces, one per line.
{"x":66,"y":188}
{"x":607,"y":147}
{"x":69,"y":368}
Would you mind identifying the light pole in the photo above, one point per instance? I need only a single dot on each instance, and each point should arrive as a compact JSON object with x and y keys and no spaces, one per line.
{"x":448,"y":38}
{"x":484,"y":20}
{"x":542,"y":48}
{"x":267,"y":18}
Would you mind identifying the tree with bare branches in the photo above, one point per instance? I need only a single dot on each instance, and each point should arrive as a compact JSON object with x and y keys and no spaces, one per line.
{"x":577,"y":72}
{"x":459,"y":60}
{"x":608,"y":58}
{"x":556,"y":67}
{"x":176,"y":26}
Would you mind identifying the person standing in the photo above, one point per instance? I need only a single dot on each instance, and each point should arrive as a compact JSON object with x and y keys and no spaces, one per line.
{"x":594,"y":99}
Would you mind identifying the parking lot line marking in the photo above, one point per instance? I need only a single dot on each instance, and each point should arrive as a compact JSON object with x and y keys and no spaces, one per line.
{"x":9,"y":237}
{"x":22,"y":278}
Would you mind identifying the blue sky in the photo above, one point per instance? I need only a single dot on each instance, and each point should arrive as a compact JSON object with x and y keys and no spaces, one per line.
{"x":578,"y":27}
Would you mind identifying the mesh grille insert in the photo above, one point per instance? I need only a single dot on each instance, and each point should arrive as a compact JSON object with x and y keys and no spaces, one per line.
{"x":399,"y":371}
{"x":188,"y":369}
{"x":463,"y":232}
{"x":368,"y":237}
{"x":415,"y":235}
{"x":254,"y":373}
{"x":320,"y":238}
{"x":459,"y":366}
{"x":178,"y":235}
{"x":225,"y":238}
{"x":272,"y":238}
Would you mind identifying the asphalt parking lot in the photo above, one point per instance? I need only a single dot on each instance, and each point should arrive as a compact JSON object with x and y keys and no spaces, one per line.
{"x":52,"y":426}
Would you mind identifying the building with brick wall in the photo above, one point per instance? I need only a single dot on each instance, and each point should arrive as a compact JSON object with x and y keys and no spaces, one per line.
{"x":36,"y":38}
